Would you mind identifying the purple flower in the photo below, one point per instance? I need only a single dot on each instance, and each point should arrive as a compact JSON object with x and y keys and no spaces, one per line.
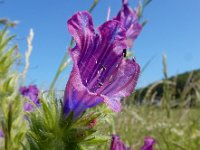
{"x":1,"y":134}
{"x":148,"y":143}
{"x":118,"y":144}
{"x":30,"y":92}
{"x":130,"y":21}
{"x":100,"y":73}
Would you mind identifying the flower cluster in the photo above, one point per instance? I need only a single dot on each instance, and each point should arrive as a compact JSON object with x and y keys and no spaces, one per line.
{"x":118,"y":144}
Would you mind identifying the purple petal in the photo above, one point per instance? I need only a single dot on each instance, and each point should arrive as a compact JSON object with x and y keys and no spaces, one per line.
{"x":130,"y":21}
{"x":123,"y":81}
{"x":148,"y":143}
{"x":81,"y":28}
{"x":23,"y":90}
{"x":118,"y":144}
{"x":28,"y":107}
{"x":125,"y":2}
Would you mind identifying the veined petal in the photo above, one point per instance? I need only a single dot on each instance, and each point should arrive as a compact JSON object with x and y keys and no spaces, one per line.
{"x":81,"y":28}
{"x":104,"y":50}
{"x":108,"y":53}
{"x":123,"y":80}
{"x":77,"y":97}
{"x":133,"y":32}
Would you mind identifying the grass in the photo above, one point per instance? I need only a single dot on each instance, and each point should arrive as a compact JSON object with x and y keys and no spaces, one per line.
{"x":179,"y":132}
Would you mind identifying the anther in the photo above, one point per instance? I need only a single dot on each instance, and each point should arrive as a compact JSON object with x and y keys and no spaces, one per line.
{"x":103,"y":67}
{"x":100,"y":84}
{"x":124,"y":52}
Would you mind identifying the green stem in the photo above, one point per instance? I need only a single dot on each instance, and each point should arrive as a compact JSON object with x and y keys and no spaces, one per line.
{"x":93,"y":5}
{"x":67,"y":53}
{"x":58,"y":71}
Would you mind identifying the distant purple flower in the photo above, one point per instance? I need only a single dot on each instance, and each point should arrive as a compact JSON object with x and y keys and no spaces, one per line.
{"x":148,"y":143}
{"x":100,"y":73}
{"x":118,"y":144}
{"x":30,"y":92}
{"x":129,"y":18}
{"x":1,"y":134}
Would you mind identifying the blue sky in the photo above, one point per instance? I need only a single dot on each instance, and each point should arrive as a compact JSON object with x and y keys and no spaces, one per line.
{"x":173,"y":28}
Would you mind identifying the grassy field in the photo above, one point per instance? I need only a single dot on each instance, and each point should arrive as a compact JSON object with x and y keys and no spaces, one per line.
{"x":179,"y":132}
